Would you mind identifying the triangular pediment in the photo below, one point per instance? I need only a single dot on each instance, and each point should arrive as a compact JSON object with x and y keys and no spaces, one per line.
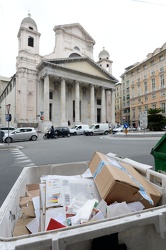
{"x":84,"y":65}
{"x":76,"y":30}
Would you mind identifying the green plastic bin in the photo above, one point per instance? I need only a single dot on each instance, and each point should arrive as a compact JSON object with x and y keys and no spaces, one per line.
{"x":159,"y":153}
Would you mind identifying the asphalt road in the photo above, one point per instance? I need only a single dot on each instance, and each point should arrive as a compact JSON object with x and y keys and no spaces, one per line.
{"x":63,"y":150}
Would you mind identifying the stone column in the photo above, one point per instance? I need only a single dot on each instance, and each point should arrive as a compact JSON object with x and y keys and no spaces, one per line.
{"x":46,"y":98}
{"x":113,"y":106}
{"x":77,"y":102}
{"x":63,"y":102}
{"x":103,"y":106}
{"x":40,"y":96}
{"x":92,"y":104}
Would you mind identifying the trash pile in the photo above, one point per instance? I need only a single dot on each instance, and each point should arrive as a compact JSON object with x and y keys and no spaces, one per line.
{"x":107,"y":189}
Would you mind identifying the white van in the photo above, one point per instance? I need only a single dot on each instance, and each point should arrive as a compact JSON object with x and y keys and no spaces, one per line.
{"x":98,"y":128}
{"x":79,"y":129}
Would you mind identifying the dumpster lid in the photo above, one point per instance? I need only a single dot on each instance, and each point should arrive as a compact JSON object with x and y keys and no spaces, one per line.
{"x":163,"y":138}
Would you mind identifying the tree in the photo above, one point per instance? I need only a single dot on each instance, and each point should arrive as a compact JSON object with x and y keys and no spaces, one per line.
{"x":156,"y":121}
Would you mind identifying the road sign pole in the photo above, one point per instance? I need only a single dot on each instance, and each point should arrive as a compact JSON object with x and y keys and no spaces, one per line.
{"x":8,"y":110}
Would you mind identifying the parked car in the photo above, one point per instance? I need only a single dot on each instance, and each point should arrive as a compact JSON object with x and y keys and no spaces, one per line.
{"x":98,"y":129}
{"x":5,"y":129}
{"x":62,"y":131}
{"x":79,"y":129}
{"x":132,"y":128}
{"x":21,"y":134}
{"x":117,"y":129}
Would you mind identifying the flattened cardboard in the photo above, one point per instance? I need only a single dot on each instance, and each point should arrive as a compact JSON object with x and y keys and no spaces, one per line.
{"x":20,"y":227}
{"x":29,"y":210}
{"x":32,"y":190}
{"x":24,"y":200}
{"x":116,"y":185}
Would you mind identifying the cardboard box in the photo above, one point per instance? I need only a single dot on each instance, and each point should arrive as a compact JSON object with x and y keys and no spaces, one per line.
{"x":118,"y":181}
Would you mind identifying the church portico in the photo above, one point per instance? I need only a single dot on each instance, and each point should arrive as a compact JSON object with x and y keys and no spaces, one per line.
{"x":73,"y":100}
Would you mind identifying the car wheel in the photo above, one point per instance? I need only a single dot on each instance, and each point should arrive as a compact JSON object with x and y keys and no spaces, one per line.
{"x":91,"y":133}
{"x":33,"y":138}
{"x":75,"y":133}
{"x":68,"y":135}
{"x":105,"y":132}
{"x":8,"y":140}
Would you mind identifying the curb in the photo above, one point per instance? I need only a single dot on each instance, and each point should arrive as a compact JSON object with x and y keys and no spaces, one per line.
{"x":3,"y":146}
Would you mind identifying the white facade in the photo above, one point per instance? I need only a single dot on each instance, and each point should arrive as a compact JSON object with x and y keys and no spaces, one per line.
{"x":66,"y":86}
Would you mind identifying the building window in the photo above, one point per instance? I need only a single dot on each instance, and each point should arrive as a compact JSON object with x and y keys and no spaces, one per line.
{"x":145,"y":87}
{"x":161,"y":69}
{"x":162,"y":93}
{"x":153,"y":84}
{"x":98,"y":102}
{"x":146,"y":98}
{"x":163,"y":107}
{"x":144,"y":66}
{"x":139,"y":89}
{"x":51,"y":95}
{"x":162,"y":81}
{"x":30,"y":41}
{"x":153,"y":96}
{"x":133,"y":113}
{"x":161,"y":58}
{"x":73,"y":111}
{"x":76,"y":48}
{"x":152,"y":62}
{"x":153,"y":106}
{"x":146,"y":107}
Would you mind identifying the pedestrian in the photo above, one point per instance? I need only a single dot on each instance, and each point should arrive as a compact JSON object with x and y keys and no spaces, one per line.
{"x":52,"y":132}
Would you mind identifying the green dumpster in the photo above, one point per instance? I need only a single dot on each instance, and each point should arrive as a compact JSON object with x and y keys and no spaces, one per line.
{"x":159,"y":153}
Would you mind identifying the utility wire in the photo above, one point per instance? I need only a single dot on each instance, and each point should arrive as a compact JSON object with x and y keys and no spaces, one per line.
{"x":141,"y":1}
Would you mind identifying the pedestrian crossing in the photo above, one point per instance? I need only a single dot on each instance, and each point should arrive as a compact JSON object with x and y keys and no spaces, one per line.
{"x":21,"y":159}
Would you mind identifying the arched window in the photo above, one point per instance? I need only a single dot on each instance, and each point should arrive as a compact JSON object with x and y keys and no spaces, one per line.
{"x":74,"y":55}
{"x":76,"y":48}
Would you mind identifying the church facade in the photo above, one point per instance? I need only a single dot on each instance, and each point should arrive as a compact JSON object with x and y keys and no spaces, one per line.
{"x":64,"y":87}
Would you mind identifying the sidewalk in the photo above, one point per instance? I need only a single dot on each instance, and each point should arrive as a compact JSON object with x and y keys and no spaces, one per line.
{"x":140,"y":134}
{"x":6,"y":146}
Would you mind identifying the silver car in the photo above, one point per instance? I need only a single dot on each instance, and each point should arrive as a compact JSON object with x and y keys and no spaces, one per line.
{"x":5,"y":129}
{"x":21,"y":134}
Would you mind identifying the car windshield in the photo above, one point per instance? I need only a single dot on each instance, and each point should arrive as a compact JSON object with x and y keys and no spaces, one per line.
{"x":74,"y":127}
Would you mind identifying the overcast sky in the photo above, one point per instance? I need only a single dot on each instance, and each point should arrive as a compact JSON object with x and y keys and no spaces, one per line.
{"x":128,"y":29}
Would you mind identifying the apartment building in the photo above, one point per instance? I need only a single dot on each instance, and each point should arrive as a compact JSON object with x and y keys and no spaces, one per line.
{"x":118,"y":103}
{"x":143,"y":86}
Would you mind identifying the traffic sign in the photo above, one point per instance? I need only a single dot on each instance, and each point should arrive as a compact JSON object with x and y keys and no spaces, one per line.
{"x":126,"y":125}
